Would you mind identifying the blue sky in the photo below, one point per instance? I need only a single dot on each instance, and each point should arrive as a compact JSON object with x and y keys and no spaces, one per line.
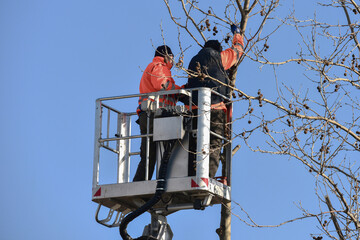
{"x":56,"y":58}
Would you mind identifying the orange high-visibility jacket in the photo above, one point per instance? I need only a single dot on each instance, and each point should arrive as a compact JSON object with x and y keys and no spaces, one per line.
{"x":156,"y":77}
{"x":231,"y":56}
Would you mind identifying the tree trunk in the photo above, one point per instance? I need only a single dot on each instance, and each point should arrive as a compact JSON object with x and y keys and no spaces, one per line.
{"x":224,"y":231}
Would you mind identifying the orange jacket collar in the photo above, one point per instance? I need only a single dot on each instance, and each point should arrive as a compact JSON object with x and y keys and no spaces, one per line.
{"x":161,"y":60}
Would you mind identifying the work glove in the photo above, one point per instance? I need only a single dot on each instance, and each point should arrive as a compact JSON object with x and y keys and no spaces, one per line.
{"x":235,"y":29}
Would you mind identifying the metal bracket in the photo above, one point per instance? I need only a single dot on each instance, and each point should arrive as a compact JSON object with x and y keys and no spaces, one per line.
{"x":159,"y":229}
{"x":207,"y":200}
{"x":119,"y":216}
{"x":201,"y":205}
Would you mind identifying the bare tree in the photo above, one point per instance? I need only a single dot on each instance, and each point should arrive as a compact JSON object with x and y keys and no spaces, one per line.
{"x":318,"y":124}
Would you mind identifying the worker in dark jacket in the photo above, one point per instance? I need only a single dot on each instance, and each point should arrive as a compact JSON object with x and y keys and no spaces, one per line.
{"x":156,"y":77}
{"x":212,"y":61}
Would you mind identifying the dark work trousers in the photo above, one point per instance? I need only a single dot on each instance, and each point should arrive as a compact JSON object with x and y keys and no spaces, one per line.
{"x":217,"y":125}
{"x":140,"y":172}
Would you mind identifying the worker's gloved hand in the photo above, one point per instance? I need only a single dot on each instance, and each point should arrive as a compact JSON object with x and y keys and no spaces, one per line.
{"x":235,"y":29}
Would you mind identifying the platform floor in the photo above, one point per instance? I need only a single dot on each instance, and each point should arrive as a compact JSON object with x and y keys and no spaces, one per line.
{"x":180,"y":191}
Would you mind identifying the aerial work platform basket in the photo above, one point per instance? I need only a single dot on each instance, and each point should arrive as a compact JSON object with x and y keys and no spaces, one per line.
{"x":185,"y":189}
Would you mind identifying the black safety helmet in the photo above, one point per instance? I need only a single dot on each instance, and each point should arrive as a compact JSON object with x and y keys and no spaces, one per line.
{"x":163,"y":51}
{"x":214,"y":44}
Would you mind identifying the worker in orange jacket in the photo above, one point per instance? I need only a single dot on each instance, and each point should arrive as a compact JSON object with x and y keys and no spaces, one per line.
{"x":156,"y":77}
{"x":213,"y":61}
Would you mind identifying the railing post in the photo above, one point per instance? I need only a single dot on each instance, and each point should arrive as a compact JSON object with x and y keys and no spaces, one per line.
{"x":147,"y":145}
{"x":228,"y":147}
{"x":124,"y":126}
{"x":98,"y":116}
{"x":203,"y":133}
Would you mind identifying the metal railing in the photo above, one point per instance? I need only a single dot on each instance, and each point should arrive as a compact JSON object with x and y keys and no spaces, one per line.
{"x":123,"y":136}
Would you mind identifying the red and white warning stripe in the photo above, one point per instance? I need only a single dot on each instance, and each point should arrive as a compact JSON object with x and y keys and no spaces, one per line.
{"x":199,"y":182}
{"x":98,"y":193}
